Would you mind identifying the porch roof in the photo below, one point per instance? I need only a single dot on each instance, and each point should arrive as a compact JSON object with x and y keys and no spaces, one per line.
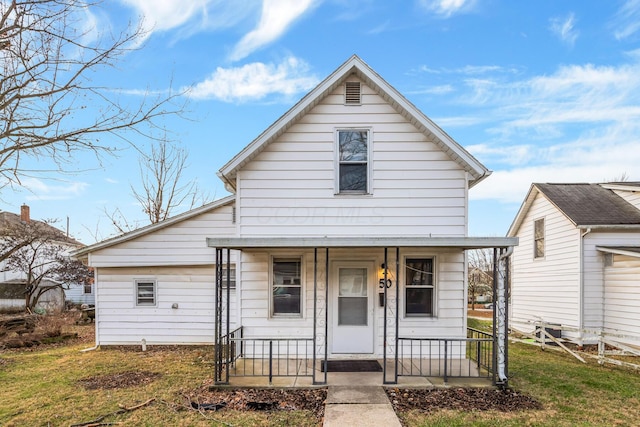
{"x":362,"y":242}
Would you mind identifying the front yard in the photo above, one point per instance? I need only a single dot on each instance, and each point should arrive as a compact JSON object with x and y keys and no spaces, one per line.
{"x":58,"y":385}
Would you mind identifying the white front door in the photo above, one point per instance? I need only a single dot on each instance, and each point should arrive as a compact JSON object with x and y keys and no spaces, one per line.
{"x":352,"y":301}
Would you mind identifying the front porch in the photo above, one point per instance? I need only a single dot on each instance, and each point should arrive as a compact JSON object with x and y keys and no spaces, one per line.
{"x":407,"y":355}
{"x":291,"y":363}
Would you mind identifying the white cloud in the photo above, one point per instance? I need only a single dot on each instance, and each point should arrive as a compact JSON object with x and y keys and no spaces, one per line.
{"x":626,"y":21}
{"x":39,"y":190}
{"x":447,"y":8}
{"x":190,"y":16}
{"x":255,"y":81}
{"x":564,"y":29}
{"x":277,"y":16}
{"x":578,"y":124}
{"x":433,"y":90}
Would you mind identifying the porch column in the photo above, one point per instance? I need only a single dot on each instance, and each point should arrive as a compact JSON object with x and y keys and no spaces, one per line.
{"x":217,"y":377}
{"x":500,"y":315}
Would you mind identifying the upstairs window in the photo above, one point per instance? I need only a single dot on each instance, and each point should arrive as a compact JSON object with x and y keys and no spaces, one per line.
{"x":419,"y":287}
{"x":353,"y":161}
{"x":538,"y":238}
{"x":286,"y":287}
{"x":146,"y":292}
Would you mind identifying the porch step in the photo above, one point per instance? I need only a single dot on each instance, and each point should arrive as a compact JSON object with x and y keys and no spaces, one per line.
{"x":359,"y":406}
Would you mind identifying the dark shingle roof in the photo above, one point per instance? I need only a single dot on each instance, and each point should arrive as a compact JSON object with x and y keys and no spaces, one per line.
{"x":590,"y":204}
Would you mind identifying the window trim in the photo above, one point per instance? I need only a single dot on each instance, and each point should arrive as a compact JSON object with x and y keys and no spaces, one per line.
{"x":369,"y":162}
{"x":287,"y":257}
{"x":405,"y":286}
{"x":542,"y":239}
{"x":137,"y":282}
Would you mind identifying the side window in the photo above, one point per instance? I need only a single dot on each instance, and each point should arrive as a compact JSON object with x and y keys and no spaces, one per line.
{"x":538,"y":238}
{"x":232,"y":277}
{"x":353,"y":161}
{"x":146,"y":292}
{"x":87,"y":288}
{"x":286,"y":289}
{"x":419,"y":287}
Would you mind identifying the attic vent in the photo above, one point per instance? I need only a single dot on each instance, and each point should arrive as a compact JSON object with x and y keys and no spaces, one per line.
{"x":352,"y":93}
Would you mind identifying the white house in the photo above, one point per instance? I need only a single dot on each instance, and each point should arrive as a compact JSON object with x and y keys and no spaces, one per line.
{"x":578,"y":262}
{"x":22,"y":228}
{"x":344,"y":234}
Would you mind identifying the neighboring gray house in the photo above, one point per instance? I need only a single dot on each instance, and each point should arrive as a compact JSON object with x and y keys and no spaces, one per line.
{"x":578,"y":261}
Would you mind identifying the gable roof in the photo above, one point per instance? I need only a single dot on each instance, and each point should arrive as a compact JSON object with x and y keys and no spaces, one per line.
{"x":81,"y":253}
{"x":585,"y":205}
{"x":9,"y":219}
{"x":354,"y":66}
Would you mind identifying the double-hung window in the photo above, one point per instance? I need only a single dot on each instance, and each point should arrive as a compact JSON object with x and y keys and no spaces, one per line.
{"x":538,"y":238}
{"x":286,"y":289}
{"x":419,"y":287}
{"x":146,"y":292}
{"x":353,"y":161}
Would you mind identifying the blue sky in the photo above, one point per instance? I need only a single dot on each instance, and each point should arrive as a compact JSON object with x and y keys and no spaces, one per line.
{"x":539,"y":91}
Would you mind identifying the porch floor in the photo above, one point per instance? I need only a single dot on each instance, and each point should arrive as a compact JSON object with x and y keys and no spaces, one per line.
{"x":254,"y":373}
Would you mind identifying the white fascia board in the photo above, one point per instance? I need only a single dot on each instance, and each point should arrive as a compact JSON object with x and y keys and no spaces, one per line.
{"x":621,"y":187}
{"x":361,"y":242}
{"x":620,"y":251}
{"x":82,"y":253}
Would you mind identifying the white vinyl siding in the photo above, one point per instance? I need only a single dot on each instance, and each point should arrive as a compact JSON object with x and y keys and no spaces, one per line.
{"x":289,"y":188}
{"x":546,"y":288}
{"x":594,"y":271}
{"x":120,"y":321}
{"x":622,"y":299}
{"x":183,"y":243}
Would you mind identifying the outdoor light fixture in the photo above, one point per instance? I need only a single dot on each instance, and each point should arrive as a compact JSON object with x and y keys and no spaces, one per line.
{"x":384,"y":274}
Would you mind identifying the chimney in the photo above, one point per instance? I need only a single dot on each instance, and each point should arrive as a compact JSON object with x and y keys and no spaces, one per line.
{"x":24,"y":214}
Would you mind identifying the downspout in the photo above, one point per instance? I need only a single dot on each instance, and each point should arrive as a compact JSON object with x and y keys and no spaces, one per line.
{"x":581,"y":290}
{"x":501,"y":306}
{"x":95,"y":308}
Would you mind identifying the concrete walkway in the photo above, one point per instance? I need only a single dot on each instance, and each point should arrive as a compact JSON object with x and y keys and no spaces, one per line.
{"x":356,"y":406}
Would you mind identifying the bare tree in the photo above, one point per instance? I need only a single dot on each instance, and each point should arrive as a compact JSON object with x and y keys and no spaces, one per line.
{"x":162,"y":189}
{"x":480,"y":273}
{"x":49,"y":108}
{"x":162,"y":185}
{"x":42,"y":262}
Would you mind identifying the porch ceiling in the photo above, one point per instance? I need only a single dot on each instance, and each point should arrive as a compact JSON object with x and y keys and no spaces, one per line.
{"x":362,"y":242}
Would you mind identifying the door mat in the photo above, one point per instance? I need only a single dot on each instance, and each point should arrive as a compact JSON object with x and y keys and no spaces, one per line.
{"x":351,"y":366}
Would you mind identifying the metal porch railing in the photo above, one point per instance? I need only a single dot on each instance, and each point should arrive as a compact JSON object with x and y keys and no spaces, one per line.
{"x":470,"y":357}
{"x":267,"y":357}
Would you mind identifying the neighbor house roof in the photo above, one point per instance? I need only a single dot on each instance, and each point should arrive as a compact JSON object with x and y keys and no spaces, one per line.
{"x":8,"y":219}
{"x":355,"y":66}
{"x":585,"y":205}
{"x":152,"y":227}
